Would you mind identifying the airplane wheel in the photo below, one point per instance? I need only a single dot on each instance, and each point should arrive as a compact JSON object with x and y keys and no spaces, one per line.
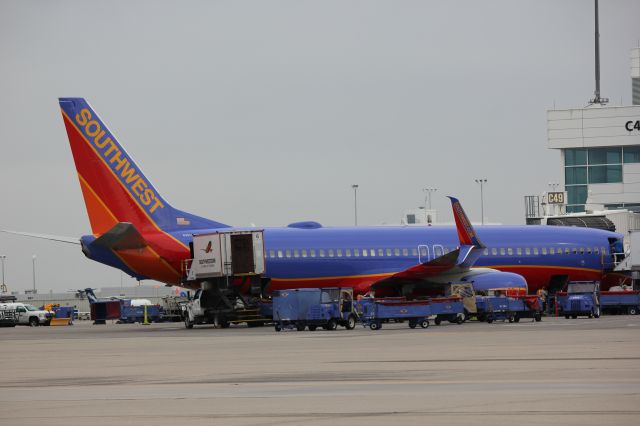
{"x":424,"y":323}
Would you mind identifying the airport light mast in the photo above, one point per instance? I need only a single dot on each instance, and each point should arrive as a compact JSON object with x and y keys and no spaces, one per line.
{"x":427,"y":196}
{"x":597,"y":99}
{"x":481,"y":182}
{"x":3,"y":288}
{"x":33,"y":258}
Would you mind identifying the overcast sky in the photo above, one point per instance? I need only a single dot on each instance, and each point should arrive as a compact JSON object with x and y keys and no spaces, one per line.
{"x":267,"y":112}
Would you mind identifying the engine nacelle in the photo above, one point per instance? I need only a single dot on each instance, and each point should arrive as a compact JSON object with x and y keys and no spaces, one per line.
{"x":496,"y":279}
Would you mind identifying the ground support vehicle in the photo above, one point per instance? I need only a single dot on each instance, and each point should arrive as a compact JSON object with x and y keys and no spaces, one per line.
{"x":8,"y":318}
{"x":620,"y":302}
{"x":374,"y":312}
{"x":582,"y":298}
{"x":447,"y":309}
{"x":28,"y":314}
{"x":313,"y":308}
{"x":171,"y":308}
{"x":508,"y":308}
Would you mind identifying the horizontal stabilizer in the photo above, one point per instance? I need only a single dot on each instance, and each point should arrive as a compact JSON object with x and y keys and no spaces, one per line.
{"x":121,"y":237}
{"x":60,"y":239}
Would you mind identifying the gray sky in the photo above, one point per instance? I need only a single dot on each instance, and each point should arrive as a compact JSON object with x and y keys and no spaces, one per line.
{"x":266,"y":112}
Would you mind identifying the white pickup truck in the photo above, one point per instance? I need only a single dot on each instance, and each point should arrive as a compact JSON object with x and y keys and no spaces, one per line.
{"x":28,"y":314}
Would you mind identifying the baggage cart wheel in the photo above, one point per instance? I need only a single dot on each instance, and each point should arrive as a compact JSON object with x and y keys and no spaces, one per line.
{"x":632,"y":310}
{"x":412,"y":324}
{"x":511,"y":319}
{"x":537,"y":317}
{"x":489,"y":320}
{"x":300,"y":327}
{"x":574,"y":316}
{"x":277,"y":327}
{"x":351,"y":323}
{"x":312,"y":327}
{"x":459,"y":319}
{"x":566,"y":316}
{"x":375,"y":326}
{"x":437,"y":320}
{"x":424,"y":323}
{"x":332,"y":324}
{"x":517,"y":318}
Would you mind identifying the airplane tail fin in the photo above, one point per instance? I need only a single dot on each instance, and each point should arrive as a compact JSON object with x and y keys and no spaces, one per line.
{"x":466,"y":233}
{"x":114,"y":188}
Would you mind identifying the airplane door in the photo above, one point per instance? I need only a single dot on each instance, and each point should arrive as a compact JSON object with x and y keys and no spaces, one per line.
{"x":423,"y":253}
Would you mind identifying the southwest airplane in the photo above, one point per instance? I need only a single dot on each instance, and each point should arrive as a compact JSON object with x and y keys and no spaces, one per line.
{"x":137,"y":231}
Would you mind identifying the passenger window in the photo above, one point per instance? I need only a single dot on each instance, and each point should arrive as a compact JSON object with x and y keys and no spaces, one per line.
{"x":502,"y":251}
{"x":552,"y":250}
{"x":280,"y":253}
{"x":414,"y":252}
{"x":330,"y":251}
{"x":581,"y":250}
{"x":519,"y":251}
{"x":544,"y":250}
{"x":287,"y":253}
{"x":380,"y":252}
{"x":396,"y":252}
{"x":603,"y":250}
{"x":321,"y":252}
{"x":296,"y":253}
{"x":388,"y":252}
{"x":347,"y":252}
{"x":527,"y":251}
{"x":356,"y":252}
{"x":446,"y":250}
{"x":574,"y":250}
{"x":313,"y":252}
{"x":535,"y":251}
{"x":509,"y":251}
{"x":486,"y":252}
{"x":423,"y":251}
{"x":304,"y":253}
{"x":494,"y":251}
{"x":567,"y":251}
{"x":405,"y":252}
{"x":373,"y":252}
{"x":596,"y":250}
{"x":588,"y":250}
{"x":272,"y":254}
{"x":437,"y":251}
{"x":339,"y":252}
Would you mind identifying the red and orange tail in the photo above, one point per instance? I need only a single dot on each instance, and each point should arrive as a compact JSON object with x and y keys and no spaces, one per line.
{"x":114,"y":188}
{"x":466,"y":233}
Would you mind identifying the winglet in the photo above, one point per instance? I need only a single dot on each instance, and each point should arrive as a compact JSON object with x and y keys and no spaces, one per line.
{"x":466,"y":233}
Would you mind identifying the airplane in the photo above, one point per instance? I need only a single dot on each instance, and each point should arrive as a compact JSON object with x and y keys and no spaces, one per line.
{"x":136,"y":230}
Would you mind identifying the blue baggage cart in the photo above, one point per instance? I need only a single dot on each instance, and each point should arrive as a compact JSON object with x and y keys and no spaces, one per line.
{"x":620,"y":302}
{"x":373,"y":312}
{"x":447,"y":309}
{"x":313,"y":308}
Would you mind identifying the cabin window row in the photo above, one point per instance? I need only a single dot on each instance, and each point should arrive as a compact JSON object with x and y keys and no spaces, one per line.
{"x":528,"y":251}
{"x":356,"y":252}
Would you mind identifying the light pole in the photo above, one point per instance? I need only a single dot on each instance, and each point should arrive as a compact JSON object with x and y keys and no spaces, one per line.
{"x":427,"y":196}
{"x":33,"y":258}
{"x":3,"y":288}
{"x":481,"y":182}
{"x":355,"y":203}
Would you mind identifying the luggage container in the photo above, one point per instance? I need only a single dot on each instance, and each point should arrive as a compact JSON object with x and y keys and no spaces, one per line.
{"x":373,"y":312}
{"x":508,"y":308}
{"x":582,"y":298}
{"x":313,"y":308}
{"x":620,"y":302}
{"x":450,"y":309}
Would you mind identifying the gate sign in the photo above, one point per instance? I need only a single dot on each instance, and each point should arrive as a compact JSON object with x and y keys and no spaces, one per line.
{"x":207,"y":259}
{"x":555,"y":198}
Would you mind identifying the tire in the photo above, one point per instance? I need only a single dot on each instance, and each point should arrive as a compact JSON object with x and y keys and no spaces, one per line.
{"x":511,"y":319}
{"x":459,"y":319}
{"x":375,"y":326}
{"x":312,"y":327}
{"x":566,"y":316}
{"x":412,"y":324}
{"x":300,"y":327}
{"x":516,"y":318}
{"x":424,"y":323}
{"x":438,"y":321}
{"x":277,"y":327}
{"x":633,"y":310}
{"x":332,"y":324}
{"x":489,"y":320}
{"x":34,"y":322}
{"x":537,"y":317}
{"x":351,"y":323}
{"x":574,"y":316}
{"x":187,"y":322}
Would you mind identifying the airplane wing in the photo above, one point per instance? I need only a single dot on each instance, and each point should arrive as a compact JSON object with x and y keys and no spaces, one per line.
{"x":60,"y":239}
{"x":456,"y":261}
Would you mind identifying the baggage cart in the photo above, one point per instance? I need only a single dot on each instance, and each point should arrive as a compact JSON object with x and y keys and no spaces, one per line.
{"x":373,"y":312}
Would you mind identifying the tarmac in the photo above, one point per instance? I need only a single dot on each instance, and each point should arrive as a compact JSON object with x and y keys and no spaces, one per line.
{"x":558,"y":371}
